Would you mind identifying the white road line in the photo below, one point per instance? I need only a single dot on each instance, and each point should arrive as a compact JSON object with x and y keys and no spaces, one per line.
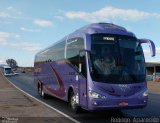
{"x":74,"y":120}
{"x":150,"y":92}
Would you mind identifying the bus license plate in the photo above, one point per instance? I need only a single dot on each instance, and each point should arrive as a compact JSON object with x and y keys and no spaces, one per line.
{"x":123,"y":104}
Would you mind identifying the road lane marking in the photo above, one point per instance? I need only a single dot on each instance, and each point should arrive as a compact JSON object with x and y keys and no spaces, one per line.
{"x":65,"y":115}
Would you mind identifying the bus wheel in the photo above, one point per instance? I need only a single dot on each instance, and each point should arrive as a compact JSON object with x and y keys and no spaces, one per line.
{"x":73,"y":104}
{"x":41,"y":91}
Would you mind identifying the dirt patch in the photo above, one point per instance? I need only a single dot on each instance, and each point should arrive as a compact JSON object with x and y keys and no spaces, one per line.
{"x":154,"y":87}
{"x":14,"y":103}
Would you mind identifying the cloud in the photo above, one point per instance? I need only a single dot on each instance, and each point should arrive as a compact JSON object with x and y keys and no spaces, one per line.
{"x":43,"y":23}
{"x":3,"y":43}
{"x":10,"y":13}
{"x":4,"y":15}
{"x":3,"y":60}
{"x":30,"y":46}
{"x":25,"y":45}
{"x":4,"y":35}
{"x":110,"y":13}
{"x":22,"y":45}
{"x":3,"y":38}
{"x":29,"y":30}
{"x":59,"y":18}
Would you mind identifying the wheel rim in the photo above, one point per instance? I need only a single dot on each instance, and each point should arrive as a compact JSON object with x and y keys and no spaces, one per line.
{"x":73,"y":102}
{"x":42,"y":93}
{"x":39,"y":90}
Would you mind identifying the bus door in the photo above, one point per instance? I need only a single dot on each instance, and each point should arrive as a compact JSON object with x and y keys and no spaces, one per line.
{"x":82,"y":79}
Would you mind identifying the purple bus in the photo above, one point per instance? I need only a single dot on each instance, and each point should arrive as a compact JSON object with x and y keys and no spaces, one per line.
{"x":98,"y":67}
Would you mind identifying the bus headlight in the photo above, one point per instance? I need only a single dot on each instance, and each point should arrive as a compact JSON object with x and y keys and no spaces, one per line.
{"x":93,"y":94}
{"x":145,"y":94}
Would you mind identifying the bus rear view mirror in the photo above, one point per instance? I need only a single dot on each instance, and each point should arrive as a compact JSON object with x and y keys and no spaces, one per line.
{"x":151,"y":45}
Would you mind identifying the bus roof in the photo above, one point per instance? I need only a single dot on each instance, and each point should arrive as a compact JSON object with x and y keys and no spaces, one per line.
{"x":7,"y":67}
{"x":107,"y":28}
{"x":4,"y":66}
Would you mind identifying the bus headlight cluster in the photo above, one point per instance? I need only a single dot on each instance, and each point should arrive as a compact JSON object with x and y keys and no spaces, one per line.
{"x":93,"y":94}
{"x":145,"y":94}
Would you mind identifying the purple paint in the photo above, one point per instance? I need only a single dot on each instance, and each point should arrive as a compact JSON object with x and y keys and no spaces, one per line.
{"x":72,"y":66}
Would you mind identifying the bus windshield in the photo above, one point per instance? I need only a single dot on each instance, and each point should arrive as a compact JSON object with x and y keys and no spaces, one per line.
{"x":116,"y":59}
{"x":8,"y":71}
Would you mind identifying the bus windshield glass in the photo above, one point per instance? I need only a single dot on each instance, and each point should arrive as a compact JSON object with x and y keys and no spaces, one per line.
{"x":116,"y":59}
{"x":8,"y":71}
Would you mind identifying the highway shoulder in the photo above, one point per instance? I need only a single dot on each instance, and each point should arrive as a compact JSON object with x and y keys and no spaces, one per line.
{"x":16,"y":104}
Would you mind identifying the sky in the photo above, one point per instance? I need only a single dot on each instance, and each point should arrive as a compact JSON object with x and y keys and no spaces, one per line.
{"x":27,"y":26}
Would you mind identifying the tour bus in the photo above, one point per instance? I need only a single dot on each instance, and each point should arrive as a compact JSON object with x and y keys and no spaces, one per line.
{"x":6,"y":70}
{"x":98,"y":67}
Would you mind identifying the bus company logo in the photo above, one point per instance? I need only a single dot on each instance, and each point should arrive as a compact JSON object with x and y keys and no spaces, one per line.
{"x":123,"y":87}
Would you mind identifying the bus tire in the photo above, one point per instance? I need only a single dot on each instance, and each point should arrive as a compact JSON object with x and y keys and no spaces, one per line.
{"x":41,"y":91}
{"x":75,"y":108}
{"x":39,"y":88}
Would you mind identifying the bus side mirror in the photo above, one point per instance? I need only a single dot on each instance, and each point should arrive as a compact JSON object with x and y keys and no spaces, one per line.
{"x":151,"y":45}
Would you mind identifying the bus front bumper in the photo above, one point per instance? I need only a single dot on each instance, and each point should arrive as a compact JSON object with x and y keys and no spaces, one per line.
{"x":117,"y":103}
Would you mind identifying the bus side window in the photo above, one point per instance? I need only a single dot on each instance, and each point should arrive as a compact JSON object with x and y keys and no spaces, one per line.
{"x":74,"y":45}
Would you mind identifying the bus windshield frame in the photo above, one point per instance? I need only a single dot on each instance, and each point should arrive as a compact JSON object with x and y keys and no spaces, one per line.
{"x":116,"y":59}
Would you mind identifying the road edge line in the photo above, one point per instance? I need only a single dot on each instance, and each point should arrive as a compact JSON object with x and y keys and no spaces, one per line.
{"x":67,"y":116}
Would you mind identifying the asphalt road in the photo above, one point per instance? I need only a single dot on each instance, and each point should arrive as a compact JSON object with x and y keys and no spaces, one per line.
{"x":25,"y":82}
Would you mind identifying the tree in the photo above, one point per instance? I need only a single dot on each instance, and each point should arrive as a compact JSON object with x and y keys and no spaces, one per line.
{"x":12,"y":63}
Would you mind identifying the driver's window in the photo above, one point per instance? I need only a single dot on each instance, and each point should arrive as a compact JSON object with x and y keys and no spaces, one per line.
{"x":139,"y":59}
{"x":73,"y":46}
{"x":138,"y":53}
